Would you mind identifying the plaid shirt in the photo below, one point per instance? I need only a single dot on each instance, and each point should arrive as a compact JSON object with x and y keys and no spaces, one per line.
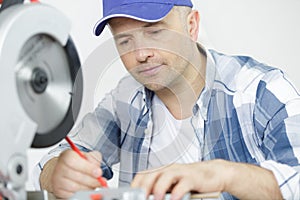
{"x":248,"y":112}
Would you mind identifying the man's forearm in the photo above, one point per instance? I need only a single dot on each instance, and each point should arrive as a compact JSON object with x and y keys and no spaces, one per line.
{"x":46,"y":174}
{"x":253,"y":182}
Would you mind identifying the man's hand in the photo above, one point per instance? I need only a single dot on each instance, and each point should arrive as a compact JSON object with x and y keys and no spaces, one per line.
{"x":180,"y":179}
{"x":244,"y":181}
{"x":69,"y":173}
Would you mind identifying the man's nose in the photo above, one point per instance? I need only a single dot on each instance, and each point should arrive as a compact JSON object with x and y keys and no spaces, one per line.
{"x":142,"y":48}
{"x":142,"y":54}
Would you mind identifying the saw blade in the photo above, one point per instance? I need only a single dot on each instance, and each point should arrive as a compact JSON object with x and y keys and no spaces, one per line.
{"x":43,"y":81}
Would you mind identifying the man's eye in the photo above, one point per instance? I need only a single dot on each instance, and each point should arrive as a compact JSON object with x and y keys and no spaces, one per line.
{"x":124,"y":42}
{"x":155,"y":31}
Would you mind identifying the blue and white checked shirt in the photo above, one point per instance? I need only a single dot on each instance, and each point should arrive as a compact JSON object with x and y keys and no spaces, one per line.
{"x":248,"y":112}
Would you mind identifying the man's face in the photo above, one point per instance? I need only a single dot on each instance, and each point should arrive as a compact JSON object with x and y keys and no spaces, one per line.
{"x":155,"y":54}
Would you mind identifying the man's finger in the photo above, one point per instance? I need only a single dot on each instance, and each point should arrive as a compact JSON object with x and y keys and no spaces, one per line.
{"x":75,"y":162}
{"x":145,"y":180}
{"x":65,"y":188}
{"x":94,"y":157}
{"x":182,"y":187}
{"x":81,"y":178}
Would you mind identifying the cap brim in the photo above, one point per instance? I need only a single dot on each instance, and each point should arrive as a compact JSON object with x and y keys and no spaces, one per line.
{"x":147,"y":12}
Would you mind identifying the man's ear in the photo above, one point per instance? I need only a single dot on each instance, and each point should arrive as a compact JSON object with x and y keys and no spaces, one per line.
{"x":193,"y":20}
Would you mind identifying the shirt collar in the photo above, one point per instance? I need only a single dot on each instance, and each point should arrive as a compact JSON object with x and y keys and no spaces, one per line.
{"x":210,"y":75}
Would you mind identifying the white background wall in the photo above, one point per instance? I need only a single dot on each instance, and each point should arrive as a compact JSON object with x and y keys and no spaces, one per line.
{"x":265,"y":29}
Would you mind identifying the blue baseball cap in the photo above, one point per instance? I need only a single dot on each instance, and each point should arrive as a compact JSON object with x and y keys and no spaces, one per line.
{"x":142,"y":10}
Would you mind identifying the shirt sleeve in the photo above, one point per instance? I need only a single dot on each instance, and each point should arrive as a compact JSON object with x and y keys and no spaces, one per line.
{"x":277,"y":123}
{"x":39,"y":167}
{"x":97,"y":131}
{"x":287,"y":177}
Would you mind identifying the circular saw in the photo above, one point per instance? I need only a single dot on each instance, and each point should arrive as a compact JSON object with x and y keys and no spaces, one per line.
{"x":41,"y":86}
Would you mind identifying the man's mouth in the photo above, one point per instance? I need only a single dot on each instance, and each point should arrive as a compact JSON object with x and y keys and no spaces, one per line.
{"x":150,"y":70}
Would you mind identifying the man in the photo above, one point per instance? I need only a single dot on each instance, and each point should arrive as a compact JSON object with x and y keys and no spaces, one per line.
{"x":187,"y":119}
